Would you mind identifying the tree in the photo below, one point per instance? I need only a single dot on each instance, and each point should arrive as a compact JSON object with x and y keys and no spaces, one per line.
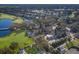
{"x":53,"y":51}
{"x":14,"y":45}
{"x":32,"y":50}
{"x":58,"y":43}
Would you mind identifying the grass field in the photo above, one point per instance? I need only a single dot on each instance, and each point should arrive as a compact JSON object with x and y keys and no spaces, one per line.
{"x":20,"y":38}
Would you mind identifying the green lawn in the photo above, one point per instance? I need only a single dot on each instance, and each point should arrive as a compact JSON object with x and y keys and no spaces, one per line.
{"x":20,"y":38}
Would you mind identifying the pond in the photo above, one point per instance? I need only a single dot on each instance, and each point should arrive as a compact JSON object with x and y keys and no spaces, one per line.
{"x":4,"y":27}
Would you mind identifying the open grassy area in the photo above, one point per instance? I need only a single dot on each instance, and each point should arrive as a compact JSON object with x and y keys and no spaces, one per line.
{"x":20,"y":38}
{"x":12,"y":17}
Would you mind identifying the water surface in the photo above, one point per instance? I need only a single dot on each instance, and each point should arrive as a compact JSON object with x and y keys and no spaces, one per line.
{"x":4,"y":27}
